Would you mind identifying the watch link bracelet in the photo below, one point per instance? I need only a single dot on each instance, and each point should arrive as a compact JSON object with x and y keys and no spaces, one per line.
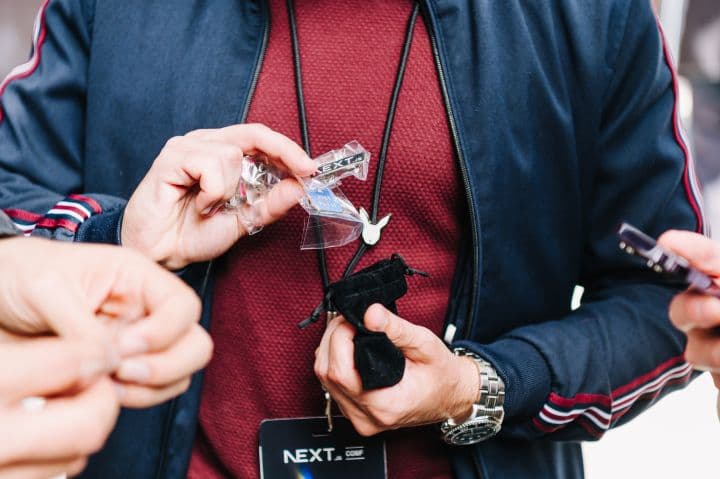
{"x":487,"y":413}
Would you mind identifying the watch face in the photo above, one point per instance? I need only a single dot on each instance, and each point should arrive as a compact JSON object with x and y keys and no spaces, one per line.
{"x":472,"y":432}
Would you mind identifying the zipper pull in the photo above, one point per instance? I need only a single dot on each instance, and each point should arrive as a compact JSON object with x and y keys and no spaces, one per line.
{"x":408,"y":270}
{"x":313,"y":318}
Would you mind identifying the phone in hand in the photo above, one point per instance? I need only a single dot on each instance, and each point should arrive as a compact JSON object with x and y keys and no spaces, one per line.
{"x":635,"y":242}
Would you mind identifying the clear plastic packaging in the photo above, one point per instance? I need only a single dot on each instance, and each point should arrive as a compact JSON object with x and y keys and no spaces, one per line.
{"x":333,"y":220}
{"x":257,"y":178}
{"x":336,"y":165}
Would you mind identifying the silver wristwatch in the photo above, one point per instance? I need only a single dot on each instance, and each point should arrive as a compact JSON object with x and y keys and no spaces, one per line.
{"x":487,"y":414}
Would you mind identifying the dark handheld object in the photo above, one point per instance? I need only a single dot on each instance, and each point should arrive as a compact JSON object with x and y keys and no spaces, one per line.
{"x":635,"y":242}
{"x":378,"y":361}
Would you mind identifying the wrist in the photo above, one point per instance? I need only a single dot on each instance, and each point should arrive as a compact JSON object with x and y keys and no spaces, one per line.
{"x":131,"y":235}
{"x":467,"y":389}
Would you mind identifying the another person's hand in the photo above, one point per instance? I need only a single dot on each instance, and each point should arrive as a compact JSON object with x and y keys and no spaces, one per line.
{"x":436,"y":385}
{"x":114,"y":298}
{"x":53,"y":436}
{"x":169,"y":217}
{"x":697,"y":314}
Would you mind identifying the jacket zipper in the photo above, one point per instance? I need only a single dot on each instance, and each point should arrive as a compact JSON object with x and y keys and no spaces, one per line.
{"x":466,"y":183}
{"x":246,"y":109}
{"x":258,"y":63}
{"x":463,"y":167}
{"x":253,"y":83}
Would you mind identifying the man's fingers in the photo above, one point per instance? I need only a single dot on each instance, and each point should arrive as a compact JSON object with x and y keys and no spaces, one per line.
{"x":703,"y":350}
{"x":213,"y":166}
{"x":256,"y":137}
{"x":363,"y":422}
{"x":43,"y":470}
{"x":135,"y":396}
{"x":413,"y":340}
{"x":191,"y":353}
{"x":694,"y":310}
{"x":63,"y":307}
{"x":66,"y":427}
{"x":45,"y":367}
{"x":341,"y":362}
{"x":322,"y":353}
{"x":702,"y":252}
{"x":173,"y":309}
{"x":716,"y":381}
{"x":279,"y":200}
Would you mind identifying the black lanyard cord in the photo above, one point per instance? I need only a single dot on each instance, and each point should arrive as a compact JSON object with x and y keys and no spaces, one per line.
{"x":387,"y":132}
{"x":302,"y":114}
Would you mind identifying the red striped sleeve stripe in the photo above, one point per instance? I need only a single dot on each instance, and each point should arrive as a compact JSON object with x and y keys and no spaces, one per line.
{"x":87,"y":201}
{"x":55,"y":223}
{"x":599,"y":412}
{"x":28,"y":68}
{"x":22,"y":216}
{"x":67,"y":214}
{"x":690,"y":181}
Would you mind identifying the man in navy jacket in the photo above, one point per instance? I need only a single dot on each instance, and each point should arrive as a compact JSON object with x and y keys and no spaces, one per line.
{"x":564,"y":122}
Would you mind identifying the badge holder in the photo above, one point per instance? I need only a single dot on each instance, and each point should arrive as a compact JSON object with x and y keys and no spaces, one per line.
{"x":303,"y":448}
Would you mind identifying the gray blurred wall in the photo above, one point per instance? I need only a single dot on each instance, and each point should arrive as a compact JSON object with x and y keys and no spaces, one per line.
{"x":16,"y":22}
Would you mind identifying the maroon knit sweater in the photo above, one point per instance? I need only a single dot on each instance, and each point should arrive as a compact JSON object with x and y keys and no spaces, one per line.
{"x":263,"y":365}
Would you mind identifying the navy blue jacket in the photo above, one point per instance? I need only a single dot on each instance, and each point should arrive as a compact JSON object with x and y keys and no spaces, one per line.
{"x":564,"y":120}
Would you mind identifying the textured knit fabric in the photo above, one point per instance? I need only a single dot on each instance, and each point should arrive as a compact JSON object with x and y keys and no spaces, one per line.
{"x":263,"y":365}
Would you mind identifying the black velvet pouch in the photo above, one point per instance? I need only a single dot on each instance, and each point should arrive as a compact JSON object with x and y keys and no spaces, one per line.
{"x":379,"y":363}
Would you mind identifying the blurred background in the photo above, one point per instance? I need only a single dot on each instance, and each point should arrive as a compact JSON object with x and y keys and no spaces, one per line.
{"x":680,"y":436}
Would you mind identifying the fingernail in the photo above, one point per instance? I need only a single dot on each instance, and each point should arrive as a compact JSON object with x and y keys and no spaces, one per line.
{"x":685,"y":328}
{"x":33,"y":404}
{"x":130,"y":345}
{"x":134,"y":371}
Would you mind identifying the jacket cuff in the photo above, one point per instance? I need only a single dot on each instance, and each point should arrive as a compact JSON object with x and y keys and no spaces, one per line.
{"x":7,"y":228}
{"x":524,"y":371}
{"x":102,"y":228}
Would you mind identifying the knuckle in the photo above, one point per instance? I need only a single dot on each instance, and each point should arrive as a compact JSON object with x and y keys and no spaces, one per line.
{"x":198,"y":133}
{"x":233,"y":153}
{"x":364,"y":427}
{"x":691,"y":355}
{"x":184,"y":386}
{"x":174,"y":142}
{"x":710,"y":311}
{"x":676,"y":308}
{"x":77,"y":466}
{"x":320,"y":371}
{"x":699,"y":311}
{"x":91,"y":437}
{"x":207,"y":346}
{"x":385,"y":418}
{"x":258,"y":127}
{"x":194,"y":304}
{"x":714,"y":360}
{"x":335,"y":375}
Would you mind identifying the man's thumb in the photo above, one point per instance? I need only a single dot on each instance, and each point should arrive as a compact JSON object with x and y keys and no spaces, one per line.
{"x":403,"y":334}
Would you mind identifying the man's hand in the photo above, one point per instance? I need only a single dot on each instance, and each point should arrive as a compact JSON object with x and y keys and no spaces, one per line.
{"x":437,"y":384}
{"x":115,"y":298}
{"x":169,"y":217}
{"x":58,"y":437}
{"x":697,"y":314}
